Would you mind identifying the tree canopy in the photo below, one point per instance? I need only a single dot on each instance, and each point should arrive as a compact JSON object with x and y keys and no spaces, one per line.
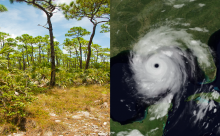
{"x":48,"y":7}
{"x":97,"y":11}
{"x":3,"y":8}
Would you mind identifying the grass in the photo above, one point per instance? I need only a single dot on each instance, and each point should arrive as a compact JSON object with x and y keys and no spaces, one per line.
{"x":64,"y":103}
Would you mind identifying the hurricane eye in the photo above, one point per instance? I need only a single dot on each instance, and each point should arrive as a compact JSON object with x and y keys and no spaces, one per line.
{"x":156,"y":65}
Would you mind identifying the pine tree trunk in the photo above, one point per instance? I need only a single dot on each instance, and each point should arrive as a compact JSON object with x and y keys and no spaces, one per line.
{"x":48,"y":57}
{"x":70,"y":59}
{"x":80,"y":50}
{"x":85,"y":55}
{"x":32,"y":58}
{"x":57,"y":60}
{"x":75,"y":62}
{"x":43,"y":55}
{"x":19,"y":60}
{"x":39,"y":54}
{"x":23,"y":60}
{"x":76,"y":55}
{"x":8,"y":60}
{"x":97,"y":56}
{"x":27,"y":56}
{"x":67,"y":64}
{"x":89,"y":46}
{"x":53,"y":67}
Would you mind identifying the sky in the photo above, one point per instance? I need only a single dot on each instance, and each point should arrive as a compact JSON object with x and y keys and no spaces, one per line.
{"x":24,"y":19}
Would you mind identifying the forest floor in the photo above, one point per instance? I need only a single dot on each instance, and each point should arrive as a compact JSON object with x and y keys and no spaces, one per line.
{"x":76,"y":111}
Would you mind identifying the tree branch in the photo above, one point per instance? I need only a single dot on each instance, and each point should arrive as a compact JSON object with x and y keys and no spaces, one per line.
{"x":43,"y":26}
{"x":51,"y":6}
{"x":102,"y":21}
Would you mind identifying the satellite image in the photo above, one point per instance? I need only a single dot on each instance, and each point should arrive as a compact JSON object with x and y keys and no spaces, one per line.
{"x":165,"y":66}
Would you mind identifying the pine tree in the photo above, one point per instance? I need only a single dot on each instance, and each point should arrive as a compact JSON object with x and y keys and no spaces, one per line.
{"x":94,"y":10}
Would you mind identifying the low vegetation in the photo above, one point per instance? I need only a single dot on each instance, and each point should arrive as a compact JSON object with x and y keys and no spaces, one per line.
{"x":25,"y":97}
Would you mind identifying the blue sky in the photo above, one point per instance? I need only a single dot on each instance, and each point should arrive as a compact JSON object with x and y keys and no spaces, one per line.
{"x":24,"y":19}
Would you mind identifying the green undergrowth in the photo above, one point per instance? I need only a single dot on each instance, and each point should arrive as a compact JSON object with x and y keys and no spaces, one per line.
{"x":19,"y":89}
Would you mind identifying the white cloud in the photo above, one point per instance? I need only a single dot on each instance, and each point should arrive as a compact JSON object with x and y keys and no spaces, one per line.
{"x":23,"y":19}
{"x":172,"y":2}
{"x":15,"y":48}
{"x":178,"y":6}
{"x":166,"y":36}
{"x":134,"y":132}
{"x":57,"y":16}
{"x":185,"y":24}
{"x":13,"y":36}
{"x":201,"y":5}
{"x":63,"y":1}
{"x":84,"y":23}
{"x":160,"y":109}
{"x":199,"y":29}
{"x":215,"y":94}
{"x":95,"y":41}
{"x":20,"y":21}
{"x":14,"y":15}
{"x":65,"y":51}
{"x":43,"y":14}
{"x":204,"y":105}
{"x":152,"y":130}
{"x":107,"y":35}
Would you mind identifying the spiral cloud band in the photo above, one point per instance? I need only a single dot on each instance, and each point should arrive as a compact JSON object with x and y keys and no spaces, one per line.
{"x":162,"y":71}
{"x":166,"y":36}
{"x":159,"y":63}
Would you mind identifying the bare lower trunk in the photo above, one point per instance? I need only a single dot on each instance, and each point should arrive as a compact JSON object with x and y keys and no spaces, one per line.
{"x":32,"y":58}
{"x":75,"y":62}
{"x":76,"y":55}
{"x":57,"y":60}
{"x":89,"y":46}
{"x":39,"y":55}
{"x":97,"y":56}
{"x":27,"y":56}
{"x":48,"y":56}
{"x":43,"y":55}
{"x":85,"y":55}
{"x":23,"y":60}
{"x":8,"y":60}
{"x":19,"y":60}
{"x":80,"y":50}
{"x":70,"y":59}
{"x":53,"y":67}
{"x":67,"y":64}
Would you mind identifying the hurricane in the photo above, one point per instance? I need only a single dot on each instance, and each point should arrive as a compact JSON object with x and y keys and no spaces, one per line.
{"x":162,"y":78}
{"x":164,"y":60}
{"x":162,"y":71}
